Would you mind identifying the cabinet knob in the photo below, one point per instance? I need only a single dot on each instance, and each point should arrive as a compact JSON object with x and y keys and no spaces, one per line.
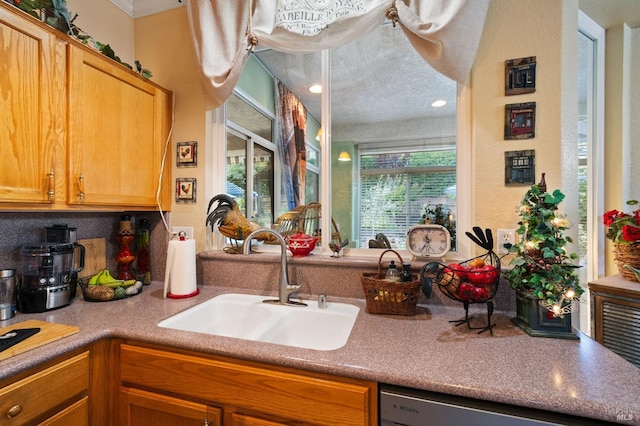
{"x":14,"y":411}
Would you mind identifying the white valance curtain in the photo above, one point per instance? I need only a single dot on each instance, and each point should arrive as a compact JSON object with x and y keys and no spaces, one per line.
{"x":445,"y":33}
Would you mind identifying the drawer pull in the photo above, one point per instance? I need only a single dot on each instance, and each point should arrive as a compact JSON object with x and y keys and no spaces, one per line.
{"x":81,"y":188}
{"x":51,"y":191}
{"x":14,"y":411}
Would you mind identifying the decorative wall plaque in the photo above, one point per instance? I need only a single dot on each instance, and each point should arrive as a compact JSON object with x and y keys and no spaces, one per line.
{"x":520,"y":76}
{"x":187,"y":154}
{"x":519,"y":167}
{"x":186,"y":190}
{"x":520,"y":121}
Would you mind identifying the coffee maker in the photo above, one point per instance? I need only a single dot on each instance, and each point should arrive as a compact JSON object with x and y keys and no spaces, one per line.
{"x":66,"y":234}
{"x":49,"y":273}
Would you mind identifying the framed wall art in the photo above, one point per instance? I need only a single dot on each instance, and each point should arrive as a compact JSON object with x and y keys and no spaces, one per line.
{"x":186,"y":190}
{"x":520,"y":76}
{"x":519,"y":167}
{"x":520,"y":121}
{"x":187,"y":154}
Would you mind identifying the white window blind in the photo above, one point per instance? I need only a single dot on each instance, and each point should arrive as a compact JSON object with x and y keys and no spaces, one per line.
{"x":399,"y":189}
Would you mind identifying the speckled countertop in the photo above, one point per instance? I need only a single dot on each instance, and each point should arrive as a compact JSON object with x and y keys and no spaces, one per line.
{"x":426,"y":352}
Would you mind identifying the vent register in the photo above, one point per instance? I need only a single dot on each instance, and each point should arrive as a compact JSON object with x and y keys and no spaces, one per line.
{"x":621,"y":330}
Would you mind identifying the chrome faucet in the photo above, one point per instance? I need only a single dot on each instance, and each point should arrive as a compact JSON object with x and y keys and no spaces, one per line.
{"x":285,"y":290}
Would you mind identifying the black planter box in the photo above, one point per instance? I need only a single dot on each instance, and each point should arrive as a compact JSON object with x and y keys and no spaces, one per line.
{"x":532,"y":318}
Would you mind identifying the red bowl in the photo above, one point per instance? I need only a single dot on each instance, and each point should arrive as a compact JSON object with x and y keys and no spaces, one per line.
{"x":301,"y":244}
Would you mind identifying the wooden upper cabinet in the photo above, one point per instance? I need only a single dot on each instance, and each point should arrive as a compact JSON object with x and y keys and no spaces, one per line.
{"x":32,"y":111}
{"x":118,"y":125}
{"x":77,"y":129}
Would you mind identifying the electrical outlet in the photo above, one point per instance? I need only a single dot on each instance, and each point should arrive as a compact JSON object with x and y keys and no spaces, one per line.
{"x":505,"y":236}
{"x":186,"y":229}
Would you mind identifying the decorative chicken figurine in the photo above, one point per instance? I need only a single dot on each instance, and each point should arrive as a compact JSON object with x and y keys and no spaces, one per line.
{"x":231,"y":222}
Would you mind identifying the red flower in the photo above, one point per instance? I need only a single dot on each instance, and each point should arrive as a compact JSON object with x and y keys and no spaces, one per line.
{"x":609,"y":217}
{"x":623,"y":228}
{"x":630,"y":233}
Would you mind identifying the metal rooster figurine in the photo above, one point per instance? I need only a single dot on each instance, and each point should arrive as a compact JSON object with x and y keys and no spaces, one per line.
{"x":230,"y":220}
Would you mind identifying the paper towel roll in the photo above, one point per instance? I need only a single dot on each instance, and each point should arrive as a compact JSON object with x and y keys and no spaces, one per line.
{"x":180,"y":273}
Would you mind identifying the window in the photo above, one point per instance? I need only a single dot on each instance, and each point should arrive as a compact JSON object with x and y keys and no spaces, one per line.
{"x":364,"y":114}
{"x":250,"y":142}
{"x":591,"y":45}
{"x":312,"y":183}
{"x":400,"y":189}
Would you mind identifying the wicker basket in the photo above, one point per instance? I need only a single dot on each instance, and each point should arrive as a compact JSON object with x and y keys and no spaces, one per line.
{"x":390,"y":298}
{"x":627,"y":254}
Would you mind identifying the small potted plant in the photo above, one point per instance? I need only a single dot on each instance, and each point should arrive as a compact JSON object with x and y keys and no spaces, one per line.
{"x":624,"y":230}
{"x":543,"y":274}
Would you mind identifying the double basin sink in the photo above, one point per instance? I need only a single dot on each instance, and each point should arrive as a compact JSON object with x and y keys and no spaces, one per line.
{"x":245,"y":316}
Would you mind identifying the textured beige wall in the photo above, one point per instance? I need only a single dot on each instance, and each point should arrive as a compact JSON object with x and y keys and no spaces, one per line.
{"x":164,"y":46}
{"x":613,"y":130}
{"x":513,"y":30}
{"x":106,"y":23}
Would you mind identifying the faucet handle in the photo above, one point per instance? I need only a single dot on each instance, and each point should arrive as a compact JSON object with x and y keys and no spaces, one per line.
{"x":322,"y":301}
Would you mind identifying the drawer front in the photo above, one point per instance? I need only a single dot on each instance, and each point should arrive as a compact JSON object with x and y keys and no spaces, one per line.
{"x":76,"y":414}
{"x":307,"y":397}
{"x":40,"y":393}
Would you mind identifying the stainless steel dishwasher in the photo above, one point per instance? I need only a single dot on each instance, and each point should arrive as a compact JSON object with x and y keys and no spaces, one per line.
{"x":410,"y":407}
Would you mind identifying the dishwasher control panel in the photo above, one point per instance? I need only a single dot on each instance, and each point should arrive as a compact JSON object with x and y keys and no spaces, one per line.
{"x":409,"y":407}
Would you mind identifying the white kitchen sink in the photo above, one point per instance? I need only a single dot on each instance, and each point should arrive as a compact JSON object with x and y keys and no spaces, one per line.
{"x":245,"y":316}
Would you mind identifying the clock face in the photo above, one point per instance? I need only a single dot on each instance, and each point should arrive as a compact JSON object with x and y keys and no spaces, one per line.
{"x":428,"y":240}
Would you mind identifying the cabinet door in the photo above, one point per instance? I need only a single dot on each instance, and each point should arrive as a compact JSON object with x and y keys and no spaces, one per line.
{"x":271,"y":393}
{"x":31,"y":128}
{"x":118,"y":126}
{"x":140,"y":408}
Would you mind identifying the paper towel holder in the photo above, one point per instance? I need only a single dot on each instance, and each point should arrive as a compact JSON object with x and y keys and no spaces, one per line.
{"x":187,"y":272}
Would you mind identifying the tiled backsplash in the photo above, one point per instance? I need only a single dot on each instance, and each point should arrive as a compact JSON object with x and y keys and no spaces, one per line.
{"x":321,"y":274}
{"x":20,"y":228}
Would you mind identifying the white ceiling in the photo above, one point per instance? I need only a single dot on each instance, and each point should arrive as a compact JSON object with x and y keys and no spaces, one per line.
{"x":140,"y":8}
{"x":608,"y":13}
{"x":376,"y":78}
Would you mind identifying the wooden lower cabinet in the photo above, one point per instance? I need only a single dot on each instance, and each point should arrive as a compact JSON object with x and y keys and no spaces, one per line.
{"x":56,"y":395}
{"x":139,"y":408}
{"x":176,"y":388}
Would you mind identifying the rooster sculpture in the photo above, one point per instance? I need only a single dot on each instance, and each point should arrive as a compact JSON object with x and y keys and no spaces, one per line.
{"x":230,"y":220}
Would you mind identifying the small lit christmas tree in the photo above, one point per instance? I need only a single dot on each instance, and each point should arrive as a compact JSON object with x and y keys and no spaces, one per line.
{"x":542,"y":269}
